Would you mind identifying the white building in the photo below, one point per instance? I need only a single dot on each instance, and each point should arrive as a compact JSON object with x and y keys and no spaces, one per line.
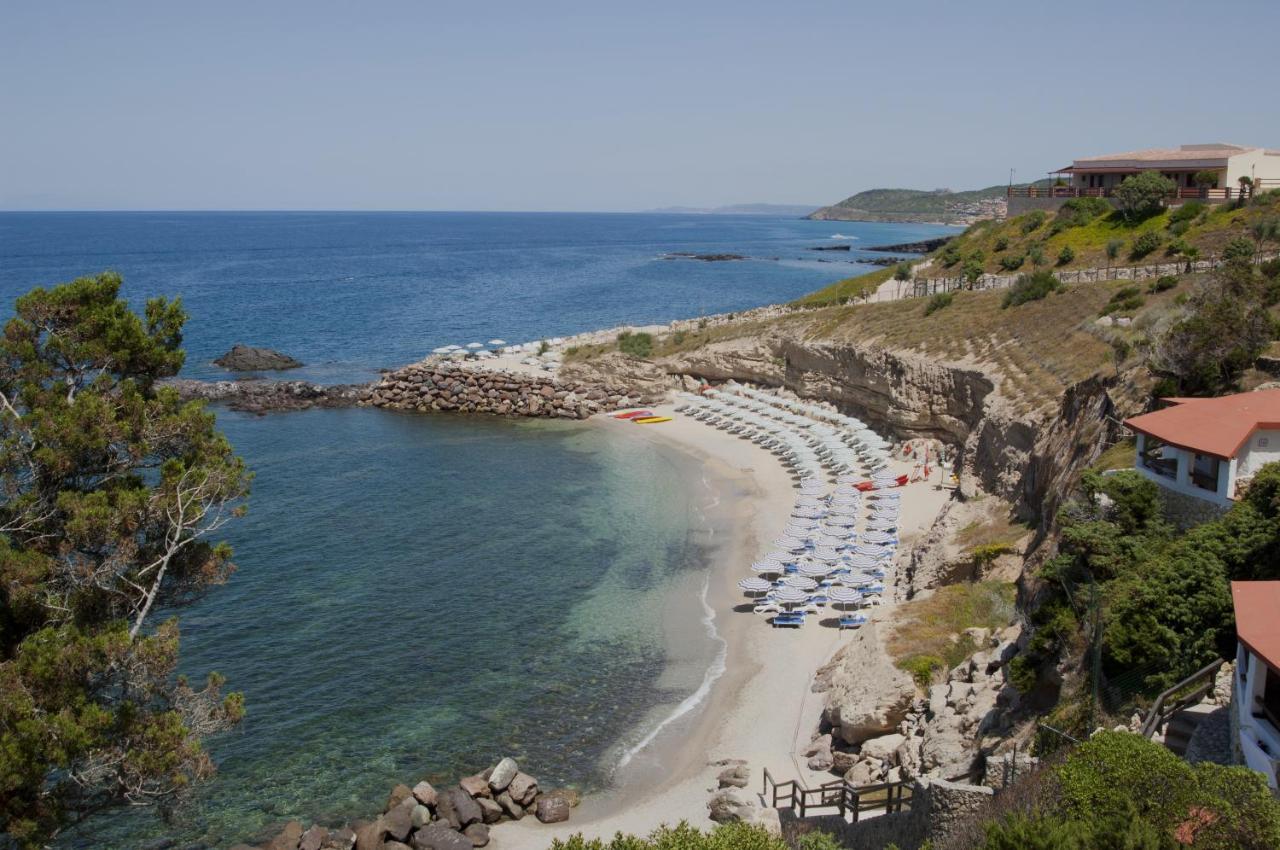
{"x":1181,"y":165}
{"x":1255,"y":696}
{"x":1208,"y":448}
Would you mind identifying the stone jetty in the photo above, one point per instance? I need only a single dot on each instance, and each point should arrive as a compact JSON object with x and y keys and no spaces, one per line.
{"x":426,"y":818}
{"x":438,"y":386}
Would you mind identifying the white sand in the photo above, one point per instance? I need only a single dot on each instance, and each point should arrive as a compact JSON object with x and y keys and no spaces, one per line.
{"x":761,"y":709}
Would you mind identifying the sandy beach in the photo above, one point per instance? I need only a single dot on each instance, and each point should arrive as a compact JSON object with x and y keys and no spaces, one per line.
{"x":761,"y":709}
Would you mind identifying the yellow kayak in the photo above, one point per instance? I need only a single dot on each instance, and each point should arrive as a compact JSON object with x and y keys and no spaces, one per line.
{"x":651,"y":420}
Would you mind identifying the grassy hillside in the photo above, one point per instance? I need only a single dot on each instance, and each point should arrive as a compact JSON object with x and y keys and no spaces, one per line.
{"x":907,"y":204}
{"x":1085,"y":230}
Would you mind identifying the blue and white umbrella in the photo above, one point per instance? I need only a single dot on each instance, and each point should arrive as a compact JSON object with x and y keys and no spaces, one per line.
{"x":874,"y":550}
{"x":767,"y":567}
{"x":756,"y":585}
{"x":791,"y":544}
{"x":844,"y":595}
{"x":879,"y":524}
{"x":799,"y":583}
{"x":858,"y":580}
{"x":788,"y":595}
{"x":878,"y":537}
{"x":813,"y":569}
{"x":861,"y":562}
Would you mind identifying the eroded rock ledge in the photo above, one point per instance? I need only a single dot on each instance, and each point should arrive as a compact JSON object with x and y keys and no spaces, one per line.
{"x":262,"y":395}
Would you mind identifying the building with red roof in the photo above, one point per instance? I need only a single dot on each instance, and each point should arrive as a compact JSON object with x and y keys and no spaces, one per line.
{"x":1208,"y":448}
{"x":1255,"y":698}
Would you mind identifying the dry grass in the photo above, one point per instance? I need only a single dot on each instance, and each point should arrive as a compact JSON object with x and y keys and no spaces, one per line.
{"x":929,"y":636}
{"x":999,"y":532}
{"x":1119,"y":456}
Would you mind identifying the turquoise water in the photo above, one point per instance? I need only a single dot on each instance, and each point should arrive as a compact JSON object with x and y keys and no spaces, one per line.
{"x":422,"y":596}
{"x":418,"y":595}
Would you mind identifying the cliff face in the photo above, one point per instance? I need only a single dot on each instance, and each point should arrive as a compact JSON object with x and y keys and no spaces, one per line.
{"x":1023,"y":457}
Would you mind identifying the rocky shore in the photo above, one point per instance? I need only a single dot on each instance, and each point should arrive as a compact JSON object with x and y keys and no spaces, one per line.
{"x":424,"y":818}
{"x":260,"y":396}
{"x":439,"y":386}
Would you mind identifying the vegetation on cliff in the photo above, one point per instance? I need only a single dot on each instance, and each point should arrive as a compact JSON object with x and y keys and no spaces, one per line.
{"x":111,"y":486}
{"x":908,"y":204}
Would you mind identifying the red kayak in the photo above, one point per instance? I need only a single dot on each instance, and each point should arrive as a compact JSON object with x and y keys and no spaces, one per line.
{"x":634,"y":414}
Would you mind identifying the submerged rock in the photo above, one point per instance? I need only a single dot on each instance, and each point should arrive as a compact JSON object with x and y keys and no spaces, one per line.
{"x":247,"y":358}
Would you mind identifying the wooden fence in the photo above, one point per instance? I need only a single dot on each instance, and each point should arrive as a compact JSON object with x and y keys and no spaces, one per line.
{"x":849,"y":801}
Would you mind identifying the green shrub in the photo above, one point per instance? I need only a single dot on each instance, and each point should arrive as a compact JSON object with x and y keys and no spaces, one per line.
{"x":1078,"y":212}
{"x":1145,"y":244}
{"x":1142,"y":195}
{"x":818,"y":840}
{"x":1033,"y":220}
{"x":729,"y":836}
{"x":1066,"y":255}
{"x":635,"y":344}
{"x":1163,"y":284}
{"x":950,"y":255}
{"x":922,"y":668}
{"x":1030,"y":287}
{"x":1038,"y":831}
{"x":1271,"y":269}
{"x":1012,"y":262}
{"x":1239,"y":248}
{"x":938,"y":302}
{"x":678,"y":337}
{"x":1113,"y":248}
{"x":1186,"y":213}
{"x":543,"y":346}
{"x":1002,"y":242}
{"x":1176,"y":247}
{"x":1036,"y":255}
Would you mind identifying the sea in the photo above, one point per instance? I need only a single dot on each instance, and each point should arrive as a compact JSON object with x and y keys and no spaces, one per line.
{"x":419,"y":595}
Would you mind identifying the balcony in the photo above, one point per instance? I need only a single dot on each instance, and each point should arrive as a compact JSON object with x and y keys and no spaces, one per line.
{"x":1184,"y":193}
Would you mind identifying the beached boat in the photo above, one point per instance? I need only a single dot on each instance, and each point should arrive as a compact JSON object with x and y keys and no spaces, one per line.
{"x":633,"y":414}
{"x":651,"y":420}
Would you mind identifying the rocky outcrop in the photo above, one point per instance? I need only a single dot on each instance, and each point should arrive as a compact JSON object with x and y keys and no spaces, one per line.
{"x":422,"y":818}
{"x":867,"y":695}
{"x":264,"y":396}
{"x":435,"y":386}
{"x":247,"y":358}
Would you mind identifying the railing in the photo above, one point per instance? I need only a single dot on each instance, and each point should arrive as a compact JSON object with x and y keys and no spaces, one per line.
{"x":1176,"y":698}
{"x":1207,"y":193}
{"x":848,"y":800}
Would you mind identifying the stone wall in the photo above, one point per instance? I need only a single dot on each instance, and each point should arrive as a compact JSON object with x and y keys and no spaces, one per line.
{"x":1187,"y":511}
{"x":938,"y":807}
{"x":437,"y":386}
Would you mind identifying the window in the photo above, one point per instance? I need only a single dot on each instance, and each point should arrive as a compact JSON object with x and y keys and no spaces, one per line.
{"x":1204,"y":472}
{"x":1271,"y":698}
{"x":1156,"y":459}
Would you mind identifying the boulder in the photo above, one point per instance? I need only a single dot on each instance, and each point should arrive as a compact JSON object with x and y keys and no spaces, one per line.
{"x":313,"y":838}
{"x":395,"y":845}
{"x":398,"y":795}
{"x":730,"y":805}
{"x":867,"y":694}
{"x":437,"y":836}
{"x":421,"y":816}
{"x":503,"y":772}
{"x":477,"y":834}
{"x":340,"y":839}
{"x":399,"y":821}
{"x":457,"y":807}
{"x":551,"y":809}
{"x":770,"y":820}
{"x":476,"y":786}
{"x":884,"y":748}
{"x":523,"y":788}
{"x":288,"y":838}
{"x":513,"y":809}
{"x":425,"y":794}
{"x":247,"y":358}
{"x":738,"y":776}
{"x":490,"y":812}
{"x":369,"y":835}
{"x":572,"y":796}
{"x":863,"y":773}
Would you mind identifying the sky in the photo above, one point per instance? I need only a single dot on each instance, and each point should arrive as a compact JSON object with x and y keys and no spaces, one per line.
{"x":495,"y":105}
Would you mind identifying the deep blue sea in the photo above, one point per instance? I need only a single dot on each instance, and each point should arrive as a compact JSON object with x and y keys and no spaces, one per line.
{"x":417,"y":595}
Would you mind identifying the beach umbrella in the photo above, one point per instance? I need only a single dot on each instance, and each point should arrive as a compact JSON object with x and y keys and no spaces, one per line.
{"x":800,"y":582}
{"x":766,"y":568}
{"x":875,"y":551}
{"x":791,"y":544}
{"x":843,"y":520}
{"x":803,"y":522}
{"x":497,"y":342}
{"x":755,"y":585}
{"x":790,"y":595}
{"x":857,"y":580}
{"x":844,"y":595}
{"x":878,"y":524}
{"x":475,"y":345}
{"x":814,"y":570}
{"x":883,"y":476}
{"x":878,"y":537}
{"x":808,"y":501}
{"x":826,"y":554}
{"x":861,"y":562}
{"x":444,"y":349}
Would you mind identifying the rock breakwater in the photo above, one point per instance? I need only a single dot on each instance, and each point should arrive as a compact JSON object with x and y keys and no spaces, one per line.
{"x":262,"y":396}
{"x":424,"y":818}
{"x":435,"y":386}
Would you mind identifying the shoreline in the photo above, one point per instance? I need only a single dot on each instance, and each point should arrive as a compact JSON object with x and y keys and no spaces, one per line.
{"x":761,"y":708}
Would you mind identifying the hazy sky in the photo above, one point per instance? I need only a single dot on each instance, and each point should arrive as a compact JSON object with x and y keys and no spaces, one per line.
{"x":543,"y":105}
